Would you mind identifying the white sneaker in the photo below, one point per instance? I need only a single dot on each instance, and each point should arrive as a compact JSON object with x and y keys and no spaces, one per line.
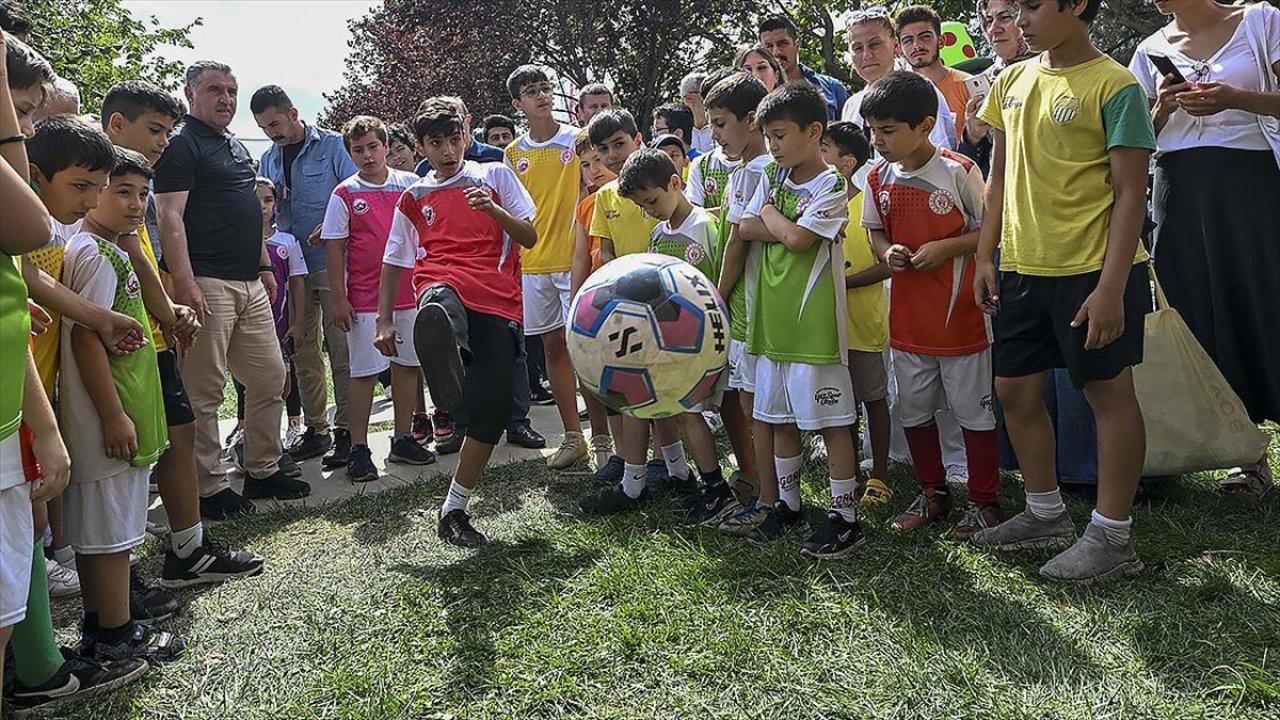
{"x":713,"y":421}
{"x":958,"y":476}
{"x":601,"y":449}
{"x":228,"y":453}
{"x":63,"y":581}
{"x":294,"y":432}
{"x":573,"y":449}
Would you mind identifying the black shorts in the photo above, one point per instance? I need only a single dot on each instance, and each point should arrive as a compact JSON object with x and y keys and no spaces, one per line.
{"x":1033,"y":330}
{"x":177,"y":408}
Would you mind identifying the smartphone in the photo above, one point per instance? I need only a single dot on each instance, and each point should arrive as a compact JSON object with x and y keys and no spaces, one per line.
{"x":979,"y":84}
{"x":1166,"y":67}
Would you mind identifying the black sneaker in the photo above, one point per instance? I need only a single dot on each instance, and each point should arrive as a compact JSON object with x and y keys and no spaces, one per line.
{"x":79,"y":678}
{"x":716,"y":504}
{"x":407,"y":451}
{"x":149,"y":604}
{"x":610,"y":473}
{"x":781,"y":521}
{"x":686,"y":490}
{"x":144,"y":642}
{"x":612,"y":501}
{"x":655,"y":473}
{"x":313,"y":443}
{"x":341,"y":452}
{"x":526,"y":437}
{"x":836,"y":538}
{"x":212,"y":562}
{"x":224,"y":505}
{"x":289,"y":466}
{"x":540,"y":395}
{"x":276,"y":485}
{"x":456,"y":529}
{"x":450,"y":444}
{"x":361,"y":468}
{"x":423,"y":430}
{"x":437,"y":347}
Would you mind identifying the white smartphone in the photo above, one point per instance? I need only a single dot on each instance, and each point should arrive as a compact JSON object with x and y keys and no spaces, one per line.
{"x":979,"y":84}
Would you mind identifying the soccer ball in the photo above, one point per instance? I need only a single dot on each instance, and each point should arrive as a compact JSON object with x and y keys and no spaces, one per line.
{"x":649,"y":335}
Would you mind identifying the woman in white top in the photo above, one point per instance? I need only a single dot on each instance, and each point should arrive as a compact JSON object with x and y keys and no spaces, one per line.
{"x":1217,"y":191}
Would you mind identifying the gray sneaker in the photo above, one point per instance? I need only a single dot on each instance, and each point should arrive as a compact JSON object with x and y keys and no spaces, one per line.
{"x":1025,"y":531}
{"x":1093,"y":558}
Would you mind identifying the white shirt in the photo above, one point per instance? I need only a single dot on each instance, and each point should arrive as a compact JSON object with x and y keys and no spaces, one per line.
{"x":944,"y":127}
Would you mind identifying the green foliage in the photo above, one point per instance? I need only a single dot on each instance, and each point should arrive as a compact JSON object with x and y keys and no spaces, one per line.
{"x":98,"y":43}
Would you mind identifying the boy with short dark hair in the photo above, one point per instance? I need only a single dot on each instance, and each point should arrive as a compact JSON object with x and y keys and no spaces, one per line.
{"x":677,"y":151}
{"x":674,"y":119}
{"x":923,"y":207}
{"x":455,"y":228}
{"x":1072,"y":288}
{"x":797,"y":324}
{"x":356,"y":226}
{"x":845,"y":147}
{"x":112,"y":412}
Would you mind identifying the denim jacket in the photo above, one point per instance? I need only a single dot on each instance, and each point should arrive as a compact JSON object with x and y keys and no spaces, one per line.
{"x":322,"y":163}
{"x":835,"y":90}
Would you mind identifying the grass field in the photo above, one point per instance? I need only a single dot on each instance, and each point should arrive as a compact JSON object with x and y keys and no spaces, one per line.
{"x":363,"y":613}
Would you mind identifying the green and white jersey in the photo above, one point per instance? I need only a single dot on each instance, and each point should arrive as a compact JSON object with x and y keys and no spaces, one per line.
{"x":798,"y":313}
{"x":709,"y":178}
{"x":694,"y":241}
{"x":100,"y":272}
{"x":15,"y":332}
{"x":742,"y":187}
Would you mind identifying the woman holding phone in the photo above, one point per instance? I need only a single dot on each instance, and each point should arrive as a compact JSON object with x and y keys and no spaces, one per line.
{"x":1217,"y":118}
{"x":999,"y":20}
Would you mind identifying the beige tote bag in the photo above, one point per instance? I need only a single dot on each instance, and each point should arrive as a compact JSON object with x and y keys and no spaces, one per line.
{"x":1194,"y":419}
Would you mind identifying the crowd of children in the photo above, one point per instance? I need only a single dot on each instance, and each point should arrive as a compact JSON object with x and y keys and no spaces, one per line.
{"x":798,"y":219}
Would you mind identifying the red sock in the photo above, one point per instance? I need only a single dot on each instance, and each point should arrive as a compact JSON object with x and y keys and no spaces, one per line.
{"x":982,"y":448}
{"x":926,"y":455}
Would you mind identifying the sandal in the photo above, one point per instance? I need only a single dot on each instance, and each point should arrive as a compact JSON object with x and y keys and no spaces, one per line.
{"x":1255,"y":480}
{"x":876,"y":493}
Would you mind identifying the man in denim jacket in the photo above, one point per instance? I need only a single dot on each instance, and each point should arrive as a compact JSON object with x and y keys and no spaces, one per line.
{"x":306,"y":163}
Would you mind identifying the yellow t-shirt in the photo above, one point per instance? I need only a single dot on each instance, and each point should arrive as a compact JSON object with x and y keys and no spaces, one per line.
{"x":157,"y":335}
{"x":550,"y":172}
{"x":621,"y":221}
{"x":44,"y":347}
{"x":867,"y":323}
{"x":1059,"y":124}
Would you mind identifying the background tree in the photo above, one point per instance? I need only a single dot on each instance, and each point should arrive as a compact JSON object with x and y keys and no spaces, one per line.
{"x":98,"y":43}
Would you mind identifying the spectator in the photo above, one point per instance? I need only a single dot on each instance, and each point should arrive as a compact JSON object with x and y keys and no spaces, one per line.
{"x":691,"y":93}
{"x":760,"y":62}
{"x":305,"y":164}
{"x":1000,"y":26}
{"x":210,"y":232}
{"x":919,"y":31}
{"x":499,"y":130}
{"x":779,"y":35}
{"x":674,"y":119}
{"x":592,"y":99}
{"x":1216,"y":177}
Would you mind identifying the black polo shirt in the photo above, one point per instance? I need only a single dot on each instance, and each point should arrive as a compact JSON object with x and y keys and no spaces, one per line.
{"x":223,"y":217}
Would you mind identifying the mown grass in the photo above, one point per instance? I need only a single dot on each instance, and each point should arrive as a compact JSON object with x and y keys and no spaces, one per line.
{"x":363,"y":613}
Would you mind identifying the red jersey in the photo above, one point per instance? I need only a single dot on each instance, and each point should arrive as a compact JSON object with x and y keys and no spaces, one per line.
{"x":437,"y":234}
{"x":930,"y":312}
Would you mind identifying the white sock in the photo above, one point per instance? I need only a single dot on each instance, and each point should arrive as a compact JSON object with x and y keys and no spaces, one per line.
{"x":1118,"y":531}
{"x":632,"y":480}
{"x":1045,"y":505}
{"x":673,"y":456}
{"x":457,"y":499}
{"x":186,"y":541}
{"x":64,"y":556}
{"x":844,"y":498}
{"x":789,"y":479}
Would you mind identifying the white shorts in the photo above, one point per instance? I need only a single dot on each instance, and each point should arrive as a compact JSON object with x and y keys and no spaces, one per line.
{"x":811,"y":397}
{"x":107,"y":516}
{"x":365,"y":360}
{"x":546,"y":302}
{"x":928,"y":384}
{"x":17,"y":542}
{"x":742,"y":367}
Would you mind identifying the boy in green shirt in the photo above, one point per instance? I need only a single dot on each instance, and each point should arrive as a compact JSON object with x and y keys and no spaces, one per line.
{"x":1072,"y":288}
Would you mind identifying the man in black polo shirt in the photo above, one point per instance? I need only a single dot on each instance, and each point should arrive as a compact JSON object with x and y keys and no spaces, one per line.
{"x":211,"y":235}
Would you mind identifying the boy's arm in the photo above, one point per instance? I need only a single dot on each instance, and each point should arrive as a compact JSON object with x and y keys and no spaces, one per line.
{"x":154,"y":297}
{"x":51,"y":454}
{"x":14,"y":153}
{"x":735,"y":260}
{"x":119,"y":439}
{"x":873,"y":275}
{"x":1104,"y":308}
{"x":387,"y":338}
{"x":335,"y":259}
{"x":297,"y":301}
{"x":27,"y":224}
{"x":581,"y":266}
{"x":120,"y":333}
{"x":780,"y":229}
{"x":931,"y":255}
{"x":519,"y":230}
{"x":986,"y":292}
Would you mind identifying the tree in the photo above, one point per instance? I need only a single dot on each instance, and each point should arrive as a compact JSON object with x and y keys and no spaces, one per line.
{"x":98,"y":43}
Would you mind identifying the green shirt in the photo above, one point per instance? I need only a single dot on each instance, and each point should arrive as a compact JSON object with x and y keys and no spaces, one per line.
{"x":799,"y":310}
{"x":15,"y":331}
{"x":694,"y":241}
{"x":709,"y":178}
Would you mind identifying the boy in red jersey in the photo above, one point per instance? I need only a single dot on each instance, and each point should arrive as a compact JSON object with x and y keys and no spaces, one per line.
{"x":457,"y":228}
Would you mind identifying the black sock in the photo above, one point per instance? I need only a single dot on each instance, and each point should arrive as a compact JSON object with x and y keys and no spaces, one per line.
{"x":712,"y":478}
{"x":89,"y":625}
{"x":116,"y":634}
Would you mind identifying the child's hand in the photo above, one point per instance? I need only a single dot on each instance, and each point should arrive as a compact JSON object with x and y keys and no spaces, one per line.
{"x":186,"y":324}
{"x":40,"y":319}
{"x":930,"y":256}
{"x":268,"y":279}
{"x":986,"y":292}
{"x":1104,"y":311}
{"x":314,"y":239}
{"x":55,"y":466}
{"x":898,"y":258}
{"x":119,"y":437}
{"x":343,"y":315}
{"x":480,"y":199}
{"x":387,"y":338}
{"x":120,"y":334}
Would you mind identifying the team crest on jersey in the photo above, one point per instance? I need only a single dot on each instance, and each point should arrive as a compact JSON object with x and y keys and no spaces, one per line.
{"x":1065,"y":109}
{"x":429,"y":214}
{"x":710,"y":185}
{"x":694,"y":253}
{"x":882,"y":199}
{"x":803,"y":204}
{"x":282,"y":252}
{"x":359,"y":206}
{"x":522,"y":165}
{"x":566,"y":156}
{"x":131,"y":286}
{"x":941,"y":202}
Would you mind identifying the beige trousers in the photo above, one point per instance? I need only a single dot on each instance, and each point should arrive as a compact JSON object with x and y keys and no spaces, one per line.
{"x":309,"y":364}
